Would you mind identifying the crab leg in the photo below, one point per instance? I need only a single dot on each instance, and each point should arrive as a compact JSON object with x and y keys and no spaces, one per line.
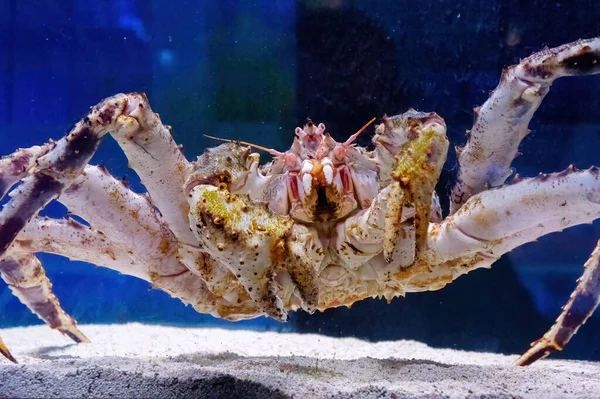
{"x":78,"y":242}
{"x":124,"y":217}
{"x":22,"y":270}
{"x":582,"y":303}
{"x":16,"y":166}
{"x":161,"y":166}
{"x":24,"y":274}
{"x":69,"y":238}
{"x":6,"y":353}
{"x":129,"y":219}
{"x":27,"y":280}
{"x":496,"y":221}
{"x":501,"y":122}
{"x":56,"y":170}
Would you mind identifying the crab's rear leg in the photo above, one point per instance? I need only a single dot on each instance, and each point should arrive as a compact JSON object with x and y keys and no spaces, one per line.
{"x":23,"y":272}
{"x":27,"y":280}
{"x":502,"y":121}
{"x":582,"y":303}
{"x":6,"y":353}
{"x":496,"y":221}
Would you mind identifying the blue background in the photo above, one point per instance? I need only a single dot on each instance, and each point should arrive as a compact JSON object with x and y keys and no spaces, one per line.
{"x":255,"y":70}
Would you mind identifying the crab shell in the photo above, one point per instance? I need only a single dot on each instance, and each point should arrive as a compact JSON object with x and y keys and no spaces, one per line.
{"x":287,"y":230}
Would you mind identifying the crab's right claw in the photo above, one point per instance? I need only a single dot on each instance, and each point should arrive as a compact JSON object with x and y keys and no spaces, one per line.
{"x":418,"y":167}
{"x":4,"y":350}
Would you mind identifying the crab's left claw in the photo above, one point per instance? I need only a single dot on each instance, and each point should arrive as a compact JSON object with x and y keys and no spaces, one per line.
{"x":6,"y":353}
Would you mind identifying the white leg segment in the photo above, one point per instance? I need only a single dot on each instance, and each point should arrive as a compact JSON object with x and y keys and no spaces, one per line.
{"x":71,"y":239}
{"x":501,"y":122}
{"x":161,"y":165}
{"x":496,"y":221}
{"x":124,"y":217}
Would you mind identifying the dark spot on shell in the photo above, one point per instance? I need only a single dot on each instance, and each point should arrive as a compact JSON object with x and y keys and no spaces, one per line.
{"x":9,"y":230}
{"x":107,"y":115}
{"x":75,"y":224}
{"x":588,"y":62}
{"x":44,"y":189}
{"x":538,"y":71}
{"x":79,"y":149}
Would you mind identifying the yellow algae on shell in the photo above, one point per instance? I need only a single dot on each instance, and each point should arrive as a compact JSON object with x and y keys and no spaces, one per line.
{"x":235,"y":213}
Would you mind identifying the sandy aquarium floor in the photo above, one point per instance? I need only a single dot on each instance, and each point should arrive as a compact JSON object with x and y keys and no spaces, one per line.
{"x":135,"y":360}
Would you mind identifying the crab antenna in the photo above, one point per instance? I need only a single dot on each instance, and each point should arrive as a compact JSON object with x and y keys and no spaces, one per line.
{"x":269,"y":150}
{"x":355,"y":135}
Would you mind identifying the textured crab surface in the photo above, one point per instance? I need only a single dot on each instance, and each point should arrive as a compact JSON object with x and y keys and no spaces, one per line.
{"x":324,"y":224}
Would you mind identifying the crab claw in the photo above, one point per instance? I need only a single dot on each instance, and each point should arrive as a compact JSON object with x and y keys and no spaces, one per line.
{"x":6,"y":353}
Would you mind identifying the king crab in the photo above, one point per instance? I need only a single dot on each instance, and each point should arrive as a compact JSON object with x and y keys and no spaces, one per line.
{"x":324,"y":224}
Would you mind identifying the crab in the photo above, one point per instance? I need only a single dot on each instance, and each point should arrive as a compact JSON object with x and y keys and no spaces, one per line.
{"x":324,"y":224}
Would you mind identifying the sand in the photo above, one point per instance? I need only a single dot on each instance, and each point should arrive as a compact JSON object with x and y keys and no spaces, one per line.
{"x":135,"y":360}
